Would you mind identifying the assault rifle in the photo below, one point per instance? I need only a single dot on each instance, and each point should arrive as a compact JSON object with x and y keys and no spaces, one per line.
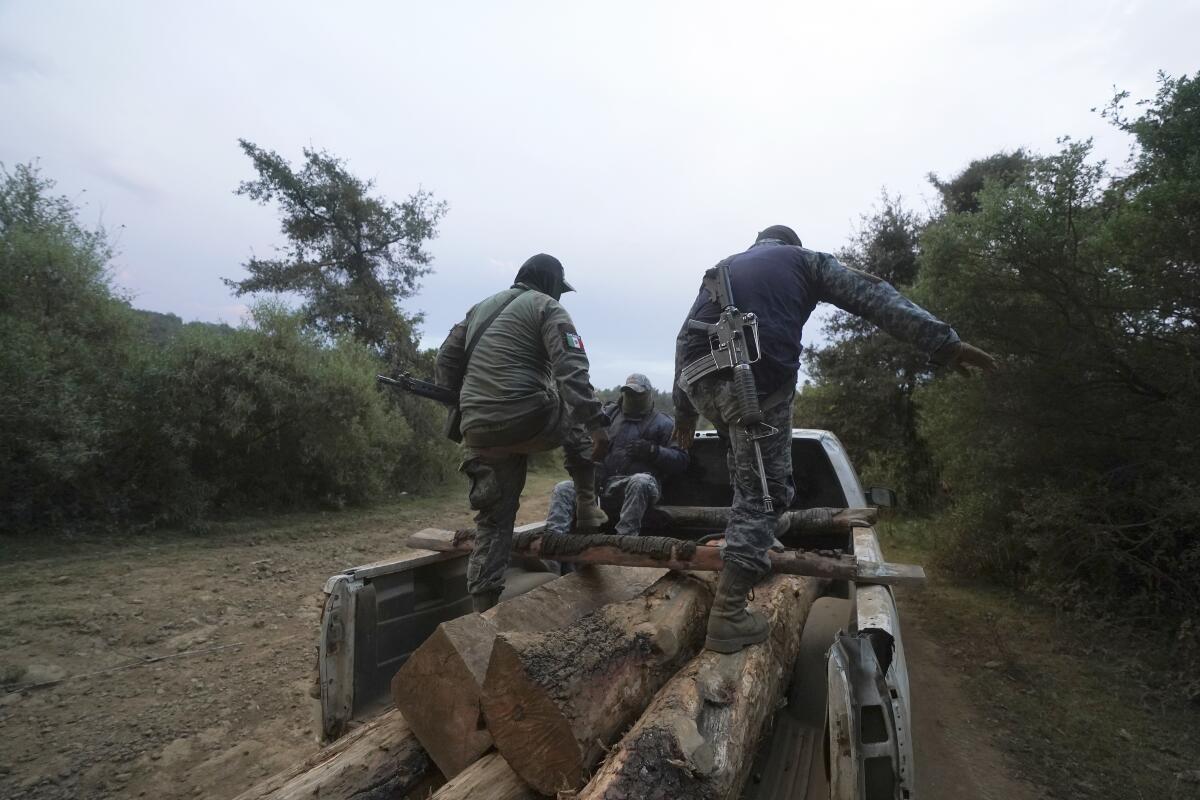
{"x":431,"y":391}
{"x":420,"y":388}
{"x":733,"y":344}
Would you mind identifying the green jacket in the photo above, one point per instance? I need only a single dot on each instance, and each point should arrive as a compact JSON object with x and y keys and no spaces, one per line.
{"x":529,"y":357}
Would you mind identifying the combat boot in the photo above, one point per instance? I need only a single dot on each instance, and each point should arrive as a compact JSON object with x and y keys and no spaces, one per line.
{"x":588,"y":515}
{"x":731,"y":626}
{"x":485,"y":600}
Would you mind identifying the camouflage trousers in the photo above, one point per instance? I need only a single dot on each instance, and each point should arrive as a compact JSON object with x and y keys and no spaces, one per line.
{"x":751,"y":530}
{"x":635,"y":493}
{"x":497,"y":477}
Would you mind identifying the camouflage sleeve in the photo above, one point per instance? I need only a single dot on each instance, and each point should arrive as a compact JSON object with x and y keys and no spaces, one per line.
{"x":877,"y":301}
{"x":564,"y":346}
{"x":684,"y":408}
{"x":451,"y":365}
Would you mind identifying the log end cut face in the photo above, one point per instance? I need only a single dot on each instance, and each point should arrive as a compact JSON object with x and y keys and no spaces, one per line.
{"x":529,"y":729}
{"x":437,"y":690}
{"x":654,"y":767}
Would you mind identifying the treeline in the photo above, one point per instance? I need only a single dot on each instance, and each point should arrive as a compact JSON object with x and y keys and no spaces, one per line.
{"x":110,"y":415}
{"x":1075,"y":469}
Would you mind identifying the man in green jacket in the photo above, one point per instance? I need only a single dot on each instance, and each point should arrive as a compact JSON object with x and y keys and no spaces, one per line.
{"x":522,"y":375}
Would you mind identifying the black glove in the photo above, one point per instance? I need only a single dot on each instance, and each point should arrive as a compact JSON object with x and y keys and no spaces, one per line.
{"x":643,"y":451}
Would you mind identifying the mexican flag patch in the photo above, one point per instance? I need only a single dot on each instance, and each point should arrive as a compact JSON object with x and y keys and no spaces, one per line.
{"x":573,"y":341}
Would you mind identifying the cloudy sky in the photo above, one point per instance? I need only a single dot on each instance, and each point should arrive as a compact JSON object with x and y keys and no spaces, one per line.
{"x":639,"y":142}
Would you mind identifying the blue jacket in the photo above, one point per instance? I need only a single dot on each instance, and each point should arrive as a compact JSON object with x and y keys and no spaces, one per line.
{"x":782,"y":284}
{"x":655,"y":428}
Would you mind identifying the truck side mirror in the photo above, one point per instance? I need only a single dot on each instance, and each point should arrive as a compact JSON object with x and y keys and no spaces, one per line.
{"x":879,"y":496}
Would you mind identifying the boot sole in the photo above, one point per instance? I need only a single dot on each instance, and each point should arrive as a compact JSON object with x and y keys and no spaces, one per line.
{"x":727,"y":646}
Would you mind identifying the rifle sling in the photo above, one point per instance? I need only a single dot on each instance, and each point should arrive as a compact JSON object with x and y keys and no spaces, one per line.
{"x":487,"y":323}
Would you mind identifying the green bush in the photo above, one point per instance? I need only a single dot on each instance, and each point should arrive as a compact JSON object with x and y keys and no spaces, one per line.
{"x":109,"y":415}
{"x":69,"y":343}
{"x":272,"y":417}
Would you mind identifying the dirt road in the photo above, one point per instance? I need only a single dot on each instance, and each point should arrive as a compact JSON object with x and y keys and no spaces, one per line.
{"x":236,"y":614}
{"x":954,"y":753}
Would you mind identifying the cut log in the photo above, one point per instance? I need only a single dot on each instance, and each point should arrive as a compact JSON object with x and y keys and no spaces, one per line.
{"x":438,"y":687}
{"x":553,"y":701}
{"x":489,"y":778}
{"x":379,"y":761}
{"x":677,"y":554}
{"x":698,"y":738}
{"x":803,"y":520}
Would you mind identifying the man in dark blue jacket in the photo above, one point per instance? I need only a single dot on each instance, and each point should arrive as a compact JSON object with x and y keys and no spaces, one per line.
{"x":781,"y":282}
{"x":640,"y":456}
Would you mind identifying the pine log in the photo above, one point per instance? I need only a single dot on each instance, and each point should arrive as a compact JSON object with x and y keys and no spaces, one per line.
{"x":489,"y":778}
{"x":438,"y":687}
{"x":698,"y":738}
{"x":676,"y":554}
{"x":801,"y":520}
{"x":379,"y":761}
{"x":554,"y":700}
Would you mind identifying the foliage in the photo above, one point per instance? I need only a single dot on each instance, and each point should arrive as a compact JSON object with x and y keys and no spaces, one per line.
{"x":351,"y":256}
{"x":960,"y":194}
{"x":271,"y":417}
{"x":1075,"y":468}
{"x":1072,"y":470}
{"x":68,"y":340}
{"x":162,"y":328}
{"x":862,"y":383}
{"x":113,"y":415}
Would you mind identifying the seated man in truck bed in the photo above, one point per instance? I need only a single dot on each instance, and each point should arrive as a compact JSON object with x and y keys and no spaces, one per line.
{"x":640,"y":456}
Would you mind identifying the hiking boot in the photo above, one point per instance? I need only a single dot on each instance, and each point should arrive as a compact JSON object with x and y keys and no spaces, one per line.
{"x":483,"y":601}
{"x":588,"y":514}
{"x":731,"y":626}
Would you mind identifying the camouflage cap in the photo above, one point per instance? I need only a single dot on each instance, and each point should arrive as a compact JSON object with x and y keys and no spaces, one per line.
{"x":637,"y":382}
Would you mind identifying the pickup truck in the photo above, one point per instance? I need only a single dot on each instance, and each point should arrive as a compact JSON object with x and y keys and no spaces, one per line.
{"x":844,"y":732}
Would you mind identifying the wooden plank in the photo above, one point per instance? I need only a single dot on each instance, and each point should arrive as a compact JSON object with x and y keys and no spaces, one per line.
{"x":680,"y":554}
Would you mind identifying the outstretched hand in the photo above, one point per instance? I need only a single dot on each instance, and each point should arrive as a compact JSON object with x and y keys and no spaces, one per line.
{"x":967,"y":356}
{"x":685,"y":431}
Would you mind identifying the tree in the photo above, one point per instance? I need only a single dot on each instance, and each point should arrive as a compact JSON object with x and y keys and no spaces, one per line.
{"x":1075,"y":467}
{"x":960,"y":194}
{"x":862,"y":383}
{"x":351,"y":256}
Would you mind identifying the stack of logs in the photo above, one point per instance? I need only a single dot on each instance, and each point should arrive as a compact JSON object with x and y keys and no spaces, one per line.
{"x":590,"y":686}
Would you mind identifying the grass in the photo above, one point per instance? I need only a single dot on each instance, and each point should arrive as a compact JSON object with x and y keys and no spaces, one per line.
{"x":1086,"y":707}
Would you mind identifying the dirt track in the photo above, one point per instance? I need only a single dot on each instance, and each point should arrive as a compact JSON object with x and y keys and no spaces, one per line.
{"x":213,"y":723}
{"x":954,"y":754}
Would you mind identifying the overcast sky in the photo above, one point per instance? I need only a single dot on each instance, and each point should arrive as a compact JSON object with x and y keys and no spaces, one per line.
{"x":639,"y":142}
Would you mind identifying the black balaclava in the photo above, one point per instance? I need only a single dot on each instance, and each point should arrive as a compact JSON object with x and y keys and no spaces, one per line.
{"x":781,"y":232}
{"x":544,"y":273}
{"x":636,"y":405}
